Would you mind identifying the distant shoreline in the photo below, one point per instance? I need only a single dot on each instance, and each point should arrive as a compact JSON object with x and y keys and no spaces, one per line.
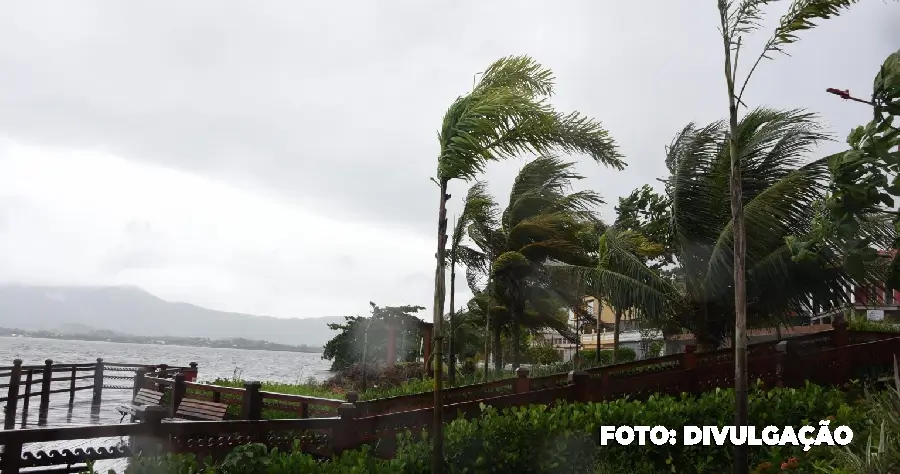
{"x":239,"y":344}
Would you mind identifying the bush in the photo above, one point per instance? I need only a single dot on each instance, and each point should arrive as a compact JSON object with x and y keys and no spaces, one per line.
{"x":377,"y":376}
{"x":562,"y":440}
{"x":543,"y":354}
{"x":873,"y":326}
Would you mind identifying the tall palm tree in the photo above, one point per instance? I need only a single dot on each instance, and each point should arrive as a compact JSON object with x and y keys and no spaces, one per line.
{"x":783,"y":192}
{"x":505,"y":115}
{"x":477,"y":206}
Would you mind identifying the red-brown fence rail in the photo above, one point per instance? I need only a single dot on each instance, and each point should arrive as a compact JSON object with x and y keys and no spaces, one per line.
{"x":24,"y":382}
{"x":825,"y":359}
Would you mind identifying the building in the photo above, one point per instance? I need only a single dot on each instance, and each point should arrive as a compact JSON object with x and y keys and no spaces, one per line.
{"x":873,"y":303}
{"x":589,"y":336}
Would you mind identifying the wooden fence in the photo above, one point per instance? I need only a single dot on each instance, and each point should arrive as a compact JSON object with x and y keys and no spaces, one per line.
{"x":249,"y":401}
{"x":24,"y":382}
{"x":826,"y":359}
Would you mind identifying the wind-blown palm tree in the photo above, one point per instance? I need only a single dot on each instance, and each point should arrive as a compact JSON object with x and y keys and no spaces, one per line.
{"x":783,"y":192}
{"x":477,"y":206}
{"x":541,"y":223}
{"x":505,"y":115}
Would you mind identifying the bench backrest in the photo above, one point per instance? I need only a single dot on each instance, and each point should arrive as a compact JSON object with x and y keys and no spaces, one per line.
{"x":191,"y":409}
{"x":147,"y":397}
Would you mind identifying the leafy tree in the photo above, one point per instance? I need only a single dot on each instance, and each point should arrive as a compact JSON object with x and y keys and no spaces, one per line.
{"x":648,"y":214}
{"x":370,"y":335}
{"x":866,"y":178}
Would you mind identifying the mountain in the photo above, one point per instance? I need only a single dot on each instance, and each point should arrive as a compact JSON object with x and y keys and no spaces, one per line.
{"x":131,"y":310}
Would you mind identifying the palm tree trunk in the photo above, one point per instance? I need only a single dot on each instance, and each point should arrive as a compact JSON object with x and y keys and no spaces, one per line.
{"x":518,"y":314}
{"x":740,"y":251}
{"x":437,"y":460}
{"x":615,"y":354}
{"x":498,"y":352}
{"x":487,"y":323}
{"x":516,"y":352}
{"x":451,"y":348}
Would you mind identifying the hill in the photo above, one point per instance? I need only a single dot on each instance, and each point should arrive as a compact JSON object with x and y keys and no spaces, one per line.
{"x":131,"y":310}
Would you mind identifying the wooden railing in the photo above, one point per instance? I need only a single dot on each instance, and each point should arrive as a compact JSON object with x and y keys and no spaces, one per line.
{"x":824,"y":359}
{"x":247,"y":403}
{"x":671,"y":366}
{"x":24,"y":382}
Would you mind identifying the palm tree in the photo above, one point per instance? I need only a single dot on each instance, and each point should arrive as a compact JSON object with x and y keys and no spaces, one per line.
{"x":505,"y":115}
{"x":735,"y":20}
{"x":477,"y":206}
{"x":783,"y":194}
{"x":541,"y":223}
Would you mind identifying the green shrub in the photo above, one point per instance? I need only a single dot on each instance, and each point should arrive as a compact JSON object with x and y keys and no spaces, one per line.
{"x":562,"y":439}
{"x":873,"y":326}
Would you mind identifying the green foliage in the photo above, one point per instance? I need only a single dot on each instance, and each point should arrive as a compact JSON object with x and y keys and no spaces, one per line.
{"x":346,"y":348}
{"x":541,"y":354}
{"x":507,"y":115}
{"x":543,"y":221}
{"x":873,"y":326}
{"x":649,"y":214}
{"x":656,"y":349}
{"x":865,"y":179}
{"x":562,"y":439}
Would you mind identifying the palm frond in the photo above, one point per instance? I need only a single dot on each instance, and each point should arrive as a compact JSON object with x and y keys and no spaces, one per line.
{"x":507,"y":114}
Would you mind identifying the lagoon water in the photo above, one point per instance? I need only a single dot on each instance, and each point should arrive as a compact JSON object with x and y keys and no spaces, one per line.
{"x":289,"y":367}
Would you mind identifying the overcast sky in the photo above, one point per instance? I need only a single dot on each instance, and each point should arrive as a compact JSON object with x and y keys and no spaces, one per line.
{"x":274,"y":157}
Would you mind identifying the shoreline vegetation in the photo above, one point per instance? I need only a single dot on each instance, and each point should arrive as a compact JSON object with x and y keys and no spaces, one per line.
{"x":110,"y":336}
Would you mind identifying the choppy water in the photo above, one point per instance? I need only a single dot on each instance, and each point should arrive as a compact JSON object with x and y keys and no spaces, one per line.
{"x":287,"y":367}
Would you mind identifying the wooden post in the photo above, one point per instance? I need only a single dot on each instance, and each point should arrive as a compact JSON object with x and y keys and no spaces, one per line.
{"x":523,"y":383}
{"x":581,"y":392}
{"x":251,"y":405}
{"x":840,"y":336}
{"x":46,"y":377}
{"x":72,"y":385}
{"x":346,"y":437}
{"x":11,"y":461}
{"x":9,"y":422}
{"x":178,"y":391}
{"x":689,"y":368}
{"x":155,"y":442}
{"x":781,"y":349}
{"x":190,"y":375}
{"x":98,"y":383}
{"x":25,"y":399}
{"x":139,"y":382}
{"x":841,"y":340}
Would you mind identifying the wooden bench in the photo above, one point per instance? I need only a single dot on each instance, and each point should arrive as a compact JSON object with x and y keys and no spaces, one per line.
{"x":144,"y":397}
{"x":200,"y":410}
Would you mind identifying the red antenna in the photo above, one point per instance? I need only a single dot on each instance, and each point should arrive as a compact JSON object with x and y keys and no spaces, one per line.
{"x":845,"y":94}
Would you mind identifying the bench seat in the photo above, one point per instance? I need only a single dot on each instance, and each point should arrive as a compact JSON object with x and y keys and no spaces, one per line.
{"x":200,"y":410}
{"x":144,"y":397}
